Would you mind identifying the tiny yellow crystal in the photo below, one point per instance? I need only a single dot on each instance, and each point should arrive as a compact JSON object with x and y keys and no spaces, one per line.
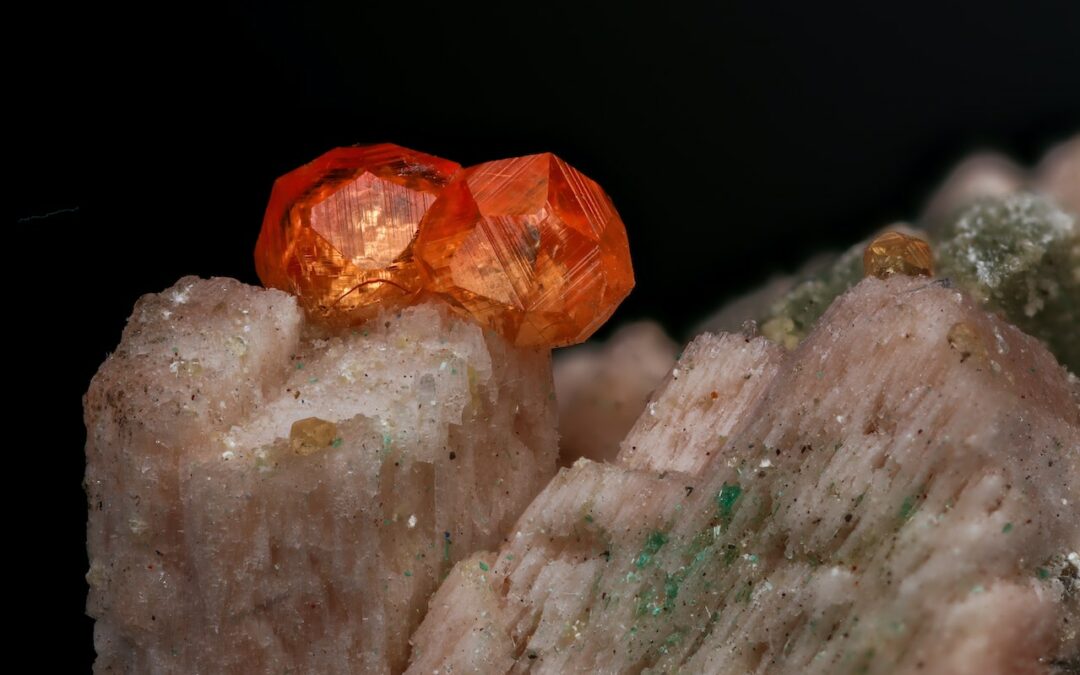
{"x":311,"y":434}
{"x":897,"y":253}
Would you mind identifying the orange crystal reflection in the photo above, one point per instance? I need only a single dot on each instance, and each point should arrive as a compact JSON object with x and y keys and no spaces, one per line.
{"x":338,"y":231}
{"x":897,"y":253}
{"x":529,"y":247}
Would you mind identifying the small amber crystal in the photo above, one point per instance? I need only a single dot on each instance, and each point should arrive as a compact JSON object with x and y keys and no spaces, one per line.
{"x":897,"y":253}
{"x":312,"y":434}
{"x":338,"y":231}
{"x":529,"y":247}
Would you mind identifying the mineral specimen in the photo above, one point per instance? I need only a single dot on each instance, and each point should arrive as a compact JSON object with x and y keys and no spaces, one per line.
{"x":270,"y":496}
{"x":1021,"y":256}
{"x":788,"y":319}
{"x":1018,"y":254}
{"x":890,"y":483}
{"x":528,"y":246}
{"x":1031,"y":239}
{"x":733,"y":316}
{"x":602,"y":390}
{"x":338,"y":231}
{"x":826,"y":510}
{"x":897,"y":253}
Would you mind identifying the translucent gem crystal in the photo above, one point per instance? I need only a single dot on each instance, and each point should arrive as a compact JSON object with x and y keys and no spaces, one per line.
{"x":529,"y":247}
{"x":338,"y":231}
{"x":897,"y":253}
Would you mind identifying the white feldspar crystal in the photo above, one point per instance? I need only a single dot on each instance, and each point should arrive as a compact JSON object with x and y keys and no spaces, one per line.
{"x":602,"y":389}
{"x":899,"y":494}
{"x":224,"y":539}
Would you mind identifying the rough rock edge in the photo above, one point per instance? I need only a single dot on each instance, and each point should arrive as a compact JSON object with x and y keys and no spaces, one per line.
{"x":938,"y":535}
{"x":215,"y":546}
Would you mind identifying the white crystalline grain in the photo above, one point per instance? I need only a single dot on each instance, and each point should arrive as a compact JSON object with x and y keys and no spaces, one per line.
{"x":216,"y":545}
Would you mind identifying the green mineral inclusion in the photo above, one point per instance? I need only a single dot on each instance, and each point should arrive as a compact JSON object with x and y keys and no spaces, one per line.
{"x":907,"y":507}
{"x":671,"y":591}
{"x":725,"y":502}
{"x":653,"y":544}
{"x":651,"y":602}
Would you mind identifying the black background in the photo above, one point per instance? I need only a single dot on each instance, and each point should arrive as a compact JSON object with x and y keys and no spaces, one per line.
{"x":735,"y":139}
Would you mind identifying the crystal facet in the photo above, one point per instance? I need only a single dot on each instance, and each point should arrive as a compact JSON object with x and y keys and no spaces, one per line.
{"x":529,"y":247}
{"x":897,"y":253}
{"x":338,"y":231}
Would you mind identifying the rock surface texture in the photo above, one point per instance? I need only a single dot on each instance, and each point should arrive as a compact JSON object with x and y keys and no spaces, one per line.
{"x":898,"y":494}
{"x":1007,"y":236}
{"x":267,"y":498}
{"x":1018,"y":255}
{"x":602,"y":390}
{"x":1021,"y":256}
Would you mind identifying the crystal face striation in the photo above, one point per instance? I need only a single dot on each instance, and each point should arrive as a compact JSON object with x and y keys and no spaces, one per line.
{"x":529,"y":247}
{"x":338,"y":231}
{"x":897,"y":253}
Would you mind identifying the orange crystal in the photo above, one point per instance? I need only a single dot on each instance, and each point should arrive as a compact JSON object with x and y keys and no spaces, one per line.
{"x":529,"y":247}
{"x":897,"y":253}
{"x":338,"y":231}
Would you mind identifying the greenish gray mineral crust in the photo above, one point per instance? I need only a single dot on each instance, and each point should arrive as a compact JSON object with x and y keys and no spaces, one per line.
{"x":1020,"y":256}
{"x":790,"y":318}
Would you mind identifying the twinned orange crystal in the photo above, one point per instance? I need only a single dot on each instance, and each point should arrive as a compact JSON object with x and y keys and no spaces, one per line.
{"x":529,"y":247}
{"x":338,"y":231}
{"x":897,"y":253}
